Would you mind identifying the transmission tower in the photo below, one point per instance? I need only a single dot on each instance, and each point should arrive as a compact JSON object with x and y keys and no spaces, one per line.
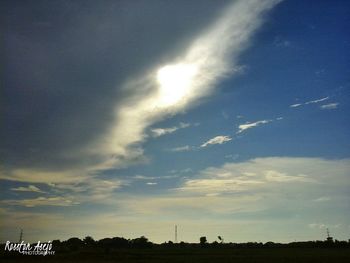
{"x":329,"y":238}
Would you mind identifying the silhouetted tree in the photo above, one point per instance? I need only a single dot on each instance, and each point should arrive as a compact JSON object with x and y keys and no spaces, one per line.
{"x":202,"y":241}
{"x":74,"y":243}
{"x":120,"y":242}
{"x":141,"y":242}
{"x":105,"y":242}
{"x":56,"y":244}
{"x":89,"y":241}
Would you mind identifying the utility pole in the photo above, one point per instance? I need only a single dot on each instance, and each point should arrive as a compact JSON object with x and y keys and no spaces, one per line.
{"x":21,"y":236}
{"x":175,"y":233}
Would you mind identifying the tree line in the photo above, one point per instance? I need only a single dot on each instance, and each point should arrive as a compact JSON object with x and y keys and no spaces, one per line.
{"x":143,"y":242}
{"x":107,"y":244}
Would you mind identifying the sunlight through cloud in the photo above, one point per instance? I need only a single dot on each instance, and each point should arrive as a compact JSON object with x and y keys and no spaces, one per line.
{"x":175,"y":82}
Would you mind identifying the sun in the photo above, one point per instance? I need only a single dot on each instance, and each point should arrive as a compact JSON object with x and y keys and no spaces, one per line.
{"x":175,"y":82}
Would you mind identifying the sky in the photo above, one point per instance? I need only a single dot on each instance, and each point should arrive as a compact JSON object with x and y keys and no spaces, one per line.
{"x":126,"y":118}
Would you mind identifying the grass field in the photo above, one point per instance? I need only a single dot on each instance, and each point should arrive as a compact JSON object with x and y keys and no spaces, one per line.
{"x":192,"y":255}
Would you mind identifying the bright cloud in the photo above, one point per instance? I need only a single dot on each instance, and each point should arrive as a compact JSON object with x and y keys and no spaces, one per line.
{"x":29,"y":188}
{"x":316,"y":101}
{"x":175,"y":86}
{"x":156,"y":132}
{"x":217,"y":140}
{"x":250,"y":125}
{"x":309,"y":102}
{"x":275,"y":176}
{"x":269,"y":174}
{"x":330,"y":106}
{"x":295,"y":105}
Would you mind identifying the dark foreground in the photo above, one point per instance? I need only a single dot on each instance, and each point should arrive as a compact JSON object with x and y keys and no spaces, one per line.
{"x":193,"y":255}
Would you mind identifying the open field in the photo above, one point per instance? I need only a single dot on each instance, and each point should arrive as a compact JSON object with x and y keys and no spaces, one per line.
{"x":222,"y":255}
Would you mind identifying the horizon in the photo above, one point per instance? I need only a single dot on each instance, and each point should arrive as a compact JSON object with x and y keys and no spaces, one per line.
{"x":225,"y":118}
{"x":218,"y":240}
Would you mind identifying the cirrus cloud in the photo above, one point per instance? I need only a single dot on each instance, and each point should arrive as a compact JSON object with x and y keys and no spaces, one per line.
{"x":217,"y":140}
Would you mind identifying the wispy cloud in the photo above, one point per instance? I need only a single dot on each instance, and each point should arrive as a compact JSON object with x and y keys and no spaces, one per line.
{"x":275,"y":176}
{"x":92,"y":189}
{"x":145,"y":178}
{"x":308,"y":102}
{"x":42,"y":176}
{"x":217,"y":140}
{"x":184,"y":148}
{"x":322,"y":199}
{"x":241,"y":190}
{"x":225,"y":115}
{"x":29,"y":188}
{"x":250,"y":125}
{"x":323,"y":226}
{"x":156,"y":132}
{"x":69,"y":194}
{"x":42,"y":201}
{"x":330,"y":106}
{"x":280,"y":42}
{"x":268,"y":174}
{"x":316,"y":101}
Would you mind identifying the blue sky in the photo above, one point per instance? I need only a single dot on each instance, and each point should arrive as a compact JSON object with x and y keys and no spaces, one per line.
{"x":125,"y":118}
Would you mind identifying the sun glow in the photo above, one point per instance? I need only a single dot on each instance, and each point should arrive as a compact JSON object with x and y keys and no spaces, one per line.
{"x":175,"y":82}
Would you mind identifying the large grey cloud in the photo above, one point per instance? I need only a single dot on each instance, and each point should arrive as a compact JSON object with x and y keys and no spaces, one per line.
{"x":84,"y":80}
{"x":65,"y":62}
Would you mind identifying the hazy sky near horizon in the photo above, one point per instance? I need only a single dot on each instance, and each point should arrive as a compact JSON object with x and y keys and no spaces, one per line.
{"x":124,"y":118}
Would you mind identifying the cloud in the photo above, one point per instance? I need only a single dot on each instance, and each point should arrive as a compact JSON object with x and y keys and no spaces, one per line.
{"x":309,"y":102}
{"x":323,"y":226}
{"x":275,"y":176}
{"x":174,"y":86}
{"x":270,"y":175}
{"x":316,"y":101}
{"x":142,"y":177}
{"x":296,"y":105}
{"x":156,"y":132}
{"x":70,"y":193}
{"x":259,"y":189}
{"x":236,"y":192}
{"x":106,"y":126}
{"x":42,"y":201}
{"x":30,"y":188}
{"x":42,"y":176}
{"x":232,"y":156}
{"x":322,"y":199}
{"x":225,"y":115}
{"x":184,"y":148}
{"x":280,"y":42}
{"x":250,"y":125}
{"x":330,"y":106}
{"x":75,"y":74}
{"x":90,"y":190}
{"x":217,"y":140}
